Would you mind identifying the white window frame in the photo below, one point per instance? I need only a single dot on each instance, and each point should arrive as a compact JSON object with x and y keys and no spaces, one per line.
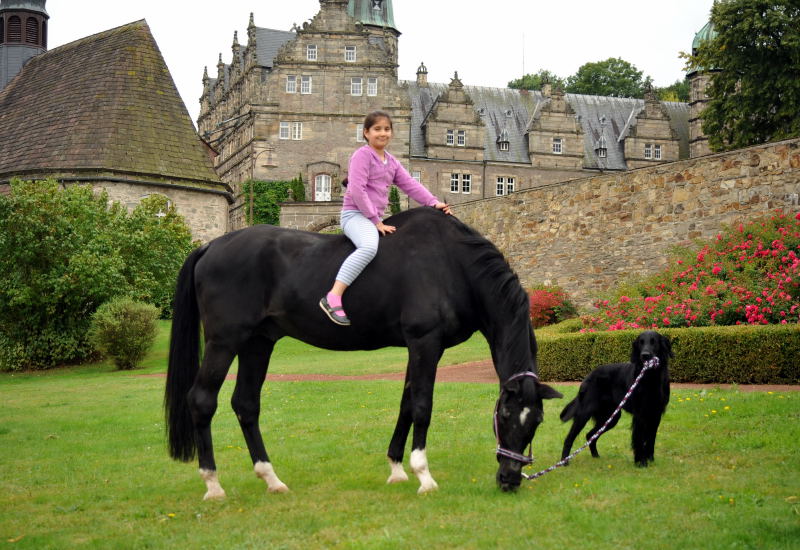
{"x":356,"y":85}
{"x":466,"y":183}
{"x":504,"y":146}
{"x":454,"y":183}
{"x":648,"y":151}
{"x":657,"y":152}
{"x":511,"y":183}
{"x":284,"y":131}
{"x":305,"y":84}
{"x":500,"y":188}
{"x":372,"y":86}
{"x":461,"y":138}
{"x":322,"y":187}
{"x":291,"y":83}
{"x":558,"y":146}
{"x":450,"y":140}
{"x":360,"y":132}
{"x":297,"y":131}
{"x":417,"y":175}
{"x":311,"y":52}
{"x":350,"y":54}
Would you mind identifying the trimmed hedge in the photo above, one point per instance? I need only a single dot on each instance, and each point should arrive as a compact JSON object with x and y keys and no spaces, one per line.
{"x":724,"y":355}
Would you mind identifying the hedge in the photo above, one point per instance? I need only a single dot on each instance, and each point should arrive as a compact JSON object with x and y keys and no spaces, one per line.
{"x":725,"y":355}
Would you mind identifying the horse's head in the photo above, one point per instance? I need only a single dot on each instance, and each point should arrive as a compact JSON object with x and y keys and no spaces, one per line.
{"x":518,"y":413}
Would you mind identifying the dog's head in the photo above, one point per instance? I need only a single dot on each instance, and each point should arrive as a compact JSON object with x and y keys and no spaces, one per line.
{"x":651,"y":344}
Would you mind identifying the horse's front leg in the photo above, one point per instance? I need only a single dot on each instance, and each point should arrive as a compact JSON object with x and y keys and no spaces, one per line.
{"x":246,"y":402}
{"x":203,"y":404}
{"x":423,"y":356}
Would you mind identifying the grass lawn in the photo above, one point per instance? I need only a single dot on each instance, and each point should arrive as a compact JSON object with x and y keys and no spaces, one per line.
{"x":84,"y":465}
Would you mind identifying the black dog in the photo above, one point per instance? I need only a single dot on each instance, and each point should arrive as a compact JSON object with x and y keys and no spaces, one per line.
{"x":603,"y":389}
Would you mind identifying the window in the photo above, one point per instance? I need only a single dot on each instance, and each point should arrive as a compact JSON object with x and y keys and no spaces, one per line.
{"x":291,"y":84}
{"x":359,"y":132}
{"x":350,"y":53}
{"x":311,"y":52}
{"x":305,"y":84}
{"x":657,"y":152}
{"x":417,"y":175}
{"x":454,"y":183}
{"x":14,"y":29}
{"x":505,"y":186}
{"x":31,"y":31}
{"x":297,"y":130}
{"x":355,"y":85}
{"x":322,"y":187}
{"x":557,"y":146}
{"x":648,"y":151}
{"x":504,"y":146}
{"x":462,"y":138}
{"x":602,"y":152}
{"x":283,"y":133}
{"x":450,"y":137}
{"x":372,"y":86}
{"x":466,"y":183}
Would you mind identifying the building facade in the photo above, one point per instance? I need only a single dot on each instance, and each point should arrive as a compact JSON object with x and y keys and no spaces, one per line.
{"x":290,"y":103}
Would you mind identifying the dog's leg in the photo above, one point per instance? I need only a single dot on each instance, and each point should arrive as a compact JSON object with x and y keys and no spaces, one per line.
{"x":643,"y":438}
{"x":578,"y":423}
{"x":598,"y":423}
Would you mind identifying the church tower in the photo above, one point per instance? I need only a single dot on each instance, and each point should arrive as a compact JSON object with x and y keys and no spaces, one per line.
{"x":23,"y":35}
{"x":699,"y":79}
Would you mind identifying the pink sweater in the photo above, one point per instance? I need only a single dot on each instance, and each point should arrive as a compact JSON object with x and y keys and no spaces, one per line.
{"x":369,"y":180}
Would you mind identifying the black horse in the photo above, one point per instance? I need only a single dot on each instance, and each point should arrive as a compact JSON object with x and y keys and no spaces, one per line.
{"x":433,"y":284}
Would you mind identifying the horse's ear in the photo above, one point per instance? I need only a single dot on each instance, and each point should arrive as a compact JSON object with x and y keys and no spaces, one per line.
{"x":546,"y":392}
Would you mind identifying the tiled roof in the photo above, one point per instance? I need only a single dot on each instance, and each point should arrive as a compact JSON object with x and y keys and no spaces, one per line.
{"x":106,"y":102}
{"x":512,"y":110}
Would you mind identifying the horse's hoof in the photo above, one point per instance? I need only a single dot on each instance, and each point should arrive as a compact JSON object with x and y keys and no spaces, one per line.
{"x":214,"y":494}
{"x":427,"y":488}
{"x":279,"y":488}
{"x":397,"y":477}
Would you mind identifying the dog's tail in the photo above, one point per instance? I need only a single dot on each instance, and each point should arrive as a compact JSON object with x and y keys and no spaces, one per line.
{"x":570,"y":410}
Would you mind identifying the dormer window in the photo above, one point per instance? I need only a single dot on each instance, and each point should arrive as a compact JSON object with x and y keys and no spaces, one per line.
{"x":311,"y":52}
{"x":502,"y":140}
{"x":504,"y":145}
{"x":350,"y":54}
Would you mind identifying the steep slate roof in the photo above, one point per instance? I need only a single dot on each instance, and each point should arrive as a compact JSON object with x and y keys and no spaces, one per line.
{"x":513,"y":110}
{"x":106,"y":102}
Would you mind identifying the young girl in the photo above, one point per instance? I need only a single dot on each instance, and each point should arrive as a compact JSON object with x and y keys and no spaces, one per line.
{"x":372,"y":171}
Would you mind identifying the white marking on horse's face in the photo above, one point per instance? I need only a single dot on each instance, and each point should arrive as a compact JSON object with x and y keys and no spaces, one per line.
{"x":524,"y":415}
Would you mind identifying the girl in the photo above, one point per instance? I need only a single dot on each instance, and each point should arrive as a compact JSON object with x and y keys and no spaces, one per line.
{"x":372,"y":171}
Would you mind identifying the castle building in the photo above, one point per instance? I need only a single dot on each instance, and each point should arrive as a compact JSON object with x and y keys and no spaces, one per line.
{"x":290,"y":103}
{"x":23,"y":35}
{"x":699,"y":80}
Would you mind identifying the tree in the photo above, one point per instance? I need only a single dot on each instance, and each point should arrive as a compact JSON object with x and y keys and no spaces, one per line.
{"x":677,"y":91}
{"x":267,"y":196}
{"x":394,"y":200}
{"x":754,"y":96}
{"x":537,"y":80}
{"x":612,"y":77}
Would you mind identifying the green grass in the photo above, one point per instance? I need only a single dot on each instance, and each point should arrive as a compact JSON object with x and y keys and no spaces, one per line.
{"x":84,"y":465}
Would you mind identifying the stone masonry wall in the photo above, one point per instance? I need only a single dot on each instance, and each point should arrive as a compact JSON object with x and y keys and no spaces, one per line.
{"x":587,"y":235}
{"x":310,"y":216}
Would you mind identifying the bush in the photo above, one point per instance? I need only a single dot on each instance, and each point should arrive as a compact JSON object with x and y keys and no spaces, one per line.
{"x":548,"y":305}
{"x":748,"y":274}
{"x":63,"y":252}
{"x":736,"y":354}
{"x":125,"y":330}
{"x":267,"y":196}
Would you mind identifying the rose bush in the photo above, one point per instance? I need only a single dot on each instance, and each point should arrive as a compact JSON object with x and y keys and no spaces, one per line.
{"x":748,"y":274}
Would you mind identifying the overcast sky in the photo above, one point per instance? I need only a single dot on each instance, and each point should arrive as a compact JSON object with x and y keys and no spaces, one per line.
{"x":488,"y":43}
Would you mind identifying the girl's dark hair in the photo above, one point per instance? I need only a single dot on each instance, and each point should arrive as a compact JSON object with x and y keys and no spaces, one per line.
{"x":372,"y":118}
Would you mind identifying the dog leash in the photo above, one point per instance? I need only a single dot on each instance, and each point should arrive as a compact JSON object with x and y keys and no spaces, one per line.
{"x":649,"y":364}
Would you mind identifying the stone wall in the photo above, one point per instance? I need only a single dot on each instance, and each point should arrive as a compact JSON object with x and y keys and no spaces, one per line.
{"x":586,"y":235}
{"x":310,"y":216}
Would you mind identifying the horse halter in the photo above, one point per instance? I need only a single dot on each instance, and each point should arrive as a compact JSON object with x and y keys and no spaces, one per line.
{"x":502,"y":451}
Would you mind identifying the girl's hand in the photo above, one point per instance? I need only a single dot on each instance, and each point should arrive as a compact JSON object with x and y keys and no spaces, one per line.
{"x":384,"y":229}
{"x":443,"y":207}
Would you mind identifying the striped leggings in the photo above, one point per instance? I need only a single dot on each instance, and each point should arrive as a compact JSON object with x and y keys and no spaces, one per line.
{"x":364,"y":235}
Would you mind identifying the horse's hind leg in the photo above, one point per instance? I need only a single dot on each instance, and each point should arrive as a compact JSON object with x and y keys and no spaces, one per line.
{"x":398,"y":444}
{"x":203,"y":404}
{"x":246,"y":402}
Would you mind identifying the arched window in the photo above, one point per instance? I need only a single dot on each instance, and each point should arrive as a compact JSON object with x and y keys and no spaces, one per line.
{"x":31,"y":31}
{"x":322,"y":187}
{"x":14,"y":29}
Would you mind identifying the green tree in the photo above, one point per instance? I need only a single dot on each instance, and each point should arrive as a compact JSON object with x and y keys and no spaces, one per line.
{"x":394,"y":200}
{"x":677,"y":91}
{"x":267,"y":196}
{"x":537,"y":80}
{"x":612,"y":77}
{"x":64,"y":252}
{"x":754,"y":97}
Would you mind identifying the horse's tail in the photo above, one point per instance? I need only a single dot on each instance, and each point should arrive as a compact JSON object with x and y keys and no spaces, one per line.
{"x":184,"y":362}
{"x":569,"y":410}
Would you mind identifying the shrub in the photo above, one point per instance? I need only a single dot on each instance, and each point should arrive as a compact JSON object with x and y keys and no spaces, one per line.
{"x":125,"y":330}
{"x":549,"y":305}
{"x":748,"y":274}
{"x":267,"y":196}
{"x":63,"y":252}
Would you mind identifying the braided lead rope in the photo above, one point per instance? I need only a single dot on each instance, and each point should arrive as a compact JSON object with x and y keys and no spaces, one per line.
{"x":649,"y":364}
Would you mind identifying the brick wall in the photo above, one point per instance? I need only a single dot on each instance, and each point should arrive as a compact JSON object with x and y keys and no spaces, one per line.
{"x":586,"y":235}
